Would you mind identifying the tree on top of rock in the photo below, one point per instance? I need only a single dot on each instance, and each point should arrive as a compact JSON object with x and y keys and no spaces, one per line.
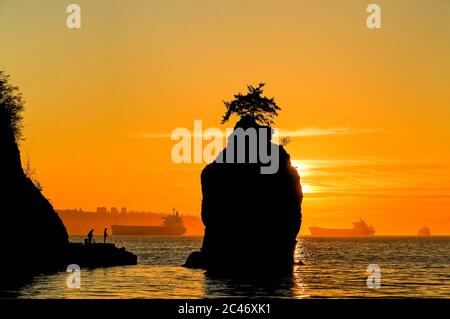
{"x":11,"y":100}
{"x":261,"y":108}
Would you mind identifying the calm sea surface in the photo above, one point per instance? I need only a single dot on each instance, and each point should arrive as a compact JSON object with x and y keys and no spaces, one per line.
{"x":410,"y":267}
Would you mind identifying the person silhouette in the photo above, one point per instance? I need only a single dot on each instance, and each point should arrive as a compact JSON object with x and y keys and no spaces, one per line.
{"x":90,"y":235}
{"x":105,"y":234}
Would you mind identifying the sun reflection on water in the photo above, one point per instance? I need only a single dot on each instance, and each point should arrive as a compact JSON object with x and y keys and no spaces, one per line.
{"x":331,"y":268}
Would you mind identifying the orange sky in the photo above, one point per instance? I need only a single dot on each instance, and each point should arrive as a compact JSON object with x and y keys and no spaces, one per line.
{"x":369,"y":109}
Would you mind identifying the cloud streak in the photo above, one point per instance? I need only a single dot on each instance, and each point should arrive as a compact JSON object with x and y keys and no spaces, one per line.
{"x":149,"y":135}
{"x":302,"y":132}
{"x":375,"y":178}
{"x":332,"y":131}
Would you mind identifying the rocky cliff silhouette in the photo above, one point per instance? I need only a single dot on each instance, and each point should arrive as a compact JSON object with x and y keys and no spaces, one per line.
{"x":251,"y":219}
{"x":33,"y":236}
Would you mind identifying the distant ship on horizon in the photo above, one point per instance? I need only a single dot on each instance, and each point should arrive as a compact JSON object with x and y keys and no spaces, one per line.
{"x":360,"y":229}
{"x":424,"y":232}
{"x":173,"y":225}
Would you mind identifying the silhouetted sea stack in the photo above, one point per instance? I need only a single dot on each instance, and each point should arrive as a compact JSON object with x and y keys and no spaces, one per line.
{"x":251,"y":219}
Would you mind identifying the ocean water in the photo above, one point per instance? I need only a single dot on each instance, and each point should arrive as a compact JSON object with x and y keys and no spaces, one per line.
{"x":333,"y":268}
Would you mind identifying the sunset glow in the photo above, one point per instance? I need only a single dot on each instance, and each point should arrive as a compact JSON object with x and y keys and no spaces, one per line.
{"x":367,"y":111}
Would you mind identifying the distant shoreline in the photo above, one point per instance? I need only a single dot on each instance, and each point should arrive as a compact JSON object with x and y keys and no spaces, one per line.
{"x":376,"y":236}
{"x":299,"y":237}
{"x":79,"y":222}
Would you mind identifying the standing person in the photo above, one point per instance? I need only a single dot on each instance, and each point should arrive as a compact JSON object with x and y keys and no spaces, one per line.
{"x":90,"y":235}
{"x":105,"y":234}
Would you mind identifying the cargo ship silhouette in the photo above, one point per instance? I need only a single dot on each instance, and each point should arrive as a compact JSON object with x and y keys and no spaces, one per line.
{"x":173,"y":225}
{"x":360,"y":229}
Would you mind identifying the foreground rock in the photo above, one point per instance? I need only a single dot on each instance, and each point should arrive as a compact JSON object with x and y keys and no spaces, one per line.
{"x":251,"y":219}
{"x":99,"y":255}
{"x":33,"y":236}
